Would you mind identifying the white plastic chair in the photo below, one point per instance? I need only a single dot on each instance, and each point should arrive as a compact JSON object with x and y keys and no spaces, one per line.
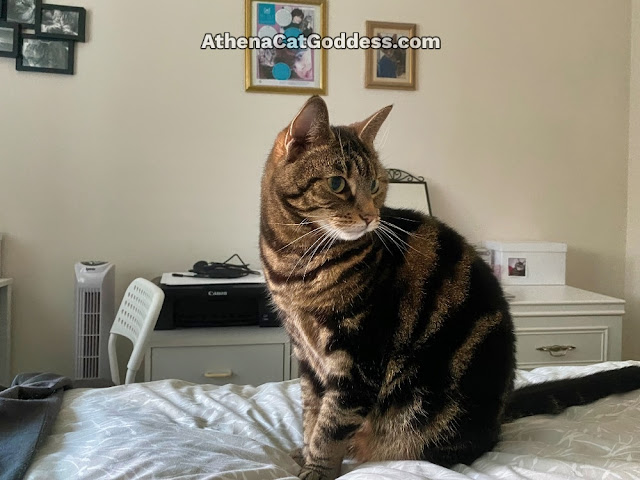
{"x":136,"y":318}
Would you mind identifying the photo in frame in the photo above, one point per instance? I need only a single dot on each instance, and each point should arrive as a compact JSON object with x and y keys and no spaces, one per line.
{"x":9,"y":39}
{"x":21,"y":11}
{"x":407,"y":191}
{"x":60,"y":22}
{"x":45,"y":55}
{"x":392,"y":68}
{"x":517,"y":267}
{"x":286,"y":70}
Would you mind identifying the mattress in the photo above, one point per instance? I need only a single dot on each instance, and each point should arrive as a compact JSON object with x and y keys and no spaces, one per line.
{"x":174,"y":429}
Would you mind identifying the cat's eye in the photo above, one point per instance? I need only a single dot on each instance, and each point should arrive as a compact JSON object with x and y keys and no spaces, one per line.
{"x":375,"y":186}
{"x":337,"y":184}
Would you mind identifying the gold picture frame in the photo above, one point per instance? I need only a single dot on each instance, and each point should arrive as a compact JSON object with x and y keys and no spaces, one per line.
{"x":296,"y":71}
{"x":393,"y":68}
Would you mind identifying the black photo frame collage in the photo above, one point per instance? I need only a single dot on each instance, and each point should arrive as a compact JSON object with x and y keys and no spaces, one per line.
{"x":41,"y":36}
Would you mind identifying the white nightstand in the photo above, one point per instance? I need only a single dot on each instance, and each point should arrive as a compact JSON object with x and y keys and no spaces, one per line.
{"x":240,"y":355}
{"x":5,"y":331}
{"x":562,"y":325}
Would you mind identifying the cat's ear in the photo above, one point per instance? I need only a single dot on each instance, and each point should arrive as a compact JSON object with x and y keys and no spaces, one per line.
{"x":369,"y":128}
{"x":310,"y":126}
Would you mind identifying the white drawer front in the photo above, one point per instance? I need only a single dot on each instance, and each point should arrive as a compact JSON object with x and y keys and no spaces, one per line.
{"x":589,"y":346}
{"x":239,"y":364}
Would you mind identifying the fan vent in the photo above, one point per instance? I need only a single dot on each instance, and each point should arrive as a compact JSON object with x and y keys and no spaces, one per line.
{"x":88,"y":348}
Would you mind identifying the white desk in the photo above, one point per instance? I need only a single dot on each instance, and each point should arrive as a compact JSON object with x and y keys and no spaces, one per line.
{"x":5,"y":331}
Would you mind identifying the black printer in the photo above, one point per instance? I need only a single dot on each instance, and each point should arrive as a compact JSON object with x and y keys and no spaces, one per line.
{"x":197,"y":302}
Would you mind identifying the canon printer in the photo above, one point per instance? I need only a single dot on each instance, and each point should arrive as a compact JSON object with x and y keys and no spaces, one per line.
{"x":203,"y":302}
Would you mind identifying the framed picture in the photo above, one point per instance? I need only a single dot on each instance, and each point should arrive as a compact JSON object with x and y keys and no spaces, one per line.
{"x":9,"y":33}
{"x":517,"y":267}
{"x":393,"y":68}
{"x":286,"y":70}
{"x":21,"y":11}
{"x":61,"y":22}
{"x":407,"y":191}
{"x":45,"y":55}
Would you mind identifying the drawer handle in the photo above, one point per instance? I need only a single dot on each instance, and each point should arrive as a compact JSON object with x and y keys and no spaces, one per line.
{"x":223,"y":374}
{"x":557,"y":350}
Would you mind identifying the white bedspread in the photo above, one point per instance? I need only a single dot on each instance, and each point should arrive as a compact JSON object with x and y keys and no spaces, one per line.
{"x":175,"y":429}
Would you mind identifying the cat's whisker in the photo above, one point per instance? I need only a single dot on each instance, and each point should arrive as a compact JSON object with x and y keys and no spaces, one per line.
{"x":300,"y":238}
{"x":293,"y":224}
{"x":404,"y":218}
{"x":334,"y":237}
{"x":326,"y":238}
{"x":391,"y":235}
{"x":412,"y":234}
{"x":383,"y":242}
{"x":305,"y":253}
{"x":391,"y":232}
{"x":305,"y":221}
{"x":393,"y":241}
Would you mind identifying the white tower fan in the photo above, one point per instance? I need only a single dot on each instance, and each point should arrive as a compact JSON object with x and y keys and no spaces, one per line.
{"x":95,"y":312}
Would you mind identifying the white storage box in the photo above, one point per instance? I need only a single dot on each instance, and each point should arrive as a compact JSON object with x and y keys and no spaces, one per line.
{"x":528,"y":263}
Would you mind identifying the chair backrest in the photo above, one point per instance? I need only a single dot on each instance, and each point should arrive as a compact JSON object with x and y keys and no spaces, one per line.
{"x":136,"y":318}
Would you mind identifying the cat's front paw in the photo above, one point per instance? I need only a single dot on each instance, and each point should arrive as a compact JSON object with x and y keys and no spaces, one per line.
{"x":316,"y":473}
{"x":308,"y":474}
{"x":298,"y":456}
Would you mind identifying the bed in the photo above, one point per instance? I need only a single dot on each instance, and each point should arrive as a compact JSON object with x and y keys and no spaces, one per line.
{"x":175,"y":429}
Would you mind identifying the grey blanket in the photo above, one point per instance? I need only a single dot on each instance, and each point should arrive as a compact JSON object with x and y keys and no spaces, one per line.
{"x":27,"y":411}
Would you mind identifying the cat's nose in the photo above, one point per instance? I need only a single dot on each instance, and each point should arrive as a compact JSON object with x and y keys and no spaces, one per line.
{"x":367,"y":217}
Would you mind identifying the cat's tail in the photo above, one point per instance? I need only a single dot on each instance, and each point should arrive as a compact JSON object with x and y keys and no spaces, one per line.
{"x":555,"y":396}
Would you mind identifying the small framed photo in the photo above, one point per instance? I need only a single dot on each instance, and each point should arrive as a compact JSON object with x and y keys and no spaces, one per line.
{"x":45,"y":55}
{"x":393,"y":68}
{"x":517,"y":267}
{"x":21,"y":11}
{"x":301,"y":70}
{"x":61,"y":22}
{"x":9,"y":34}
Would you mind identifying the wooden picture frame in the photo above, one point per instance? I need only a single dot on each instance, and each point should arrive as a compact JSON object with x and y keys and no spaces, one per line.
{"x":9,"y":39}
{"x":392,"y":68}
{"x":45,"y":55}
{"x":286,"y":70}
{"x":23,"y":13}
{"x":60,"y":22}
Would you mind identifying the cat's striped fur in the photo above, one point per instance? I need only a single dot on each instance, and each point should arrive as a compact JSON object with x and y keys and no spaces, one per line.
{"x":403,"y":335}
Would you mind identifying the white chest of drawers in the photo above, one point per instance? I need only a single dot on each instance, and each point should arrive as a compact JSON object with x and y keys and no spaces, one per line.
{"x":562,"y":325}
{"x":555,"y":325}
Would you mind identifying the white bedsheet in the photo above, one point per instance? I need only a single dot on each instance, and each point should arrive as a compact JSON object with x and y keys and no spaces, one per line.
{"x":175,"y":429}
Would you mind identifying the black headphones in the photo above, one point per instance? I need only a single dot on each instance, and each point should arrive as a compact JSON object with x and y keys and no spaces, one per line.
{"x":222,"y":270}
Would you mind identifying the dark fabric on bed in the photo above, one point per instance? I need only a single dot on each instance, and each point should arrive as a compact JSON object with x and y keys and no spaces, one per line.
{"x":27,"y":411}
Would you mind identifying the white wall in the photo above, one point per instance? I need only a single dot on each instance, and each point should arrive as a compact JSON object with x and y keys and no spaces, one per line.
{"x":632,"y":283}
{"x":151,"y":155}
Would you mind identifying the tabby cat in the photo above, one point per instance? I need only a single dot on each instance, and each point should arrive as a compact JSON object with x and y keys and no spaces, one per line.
{"x":403,"y":335}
